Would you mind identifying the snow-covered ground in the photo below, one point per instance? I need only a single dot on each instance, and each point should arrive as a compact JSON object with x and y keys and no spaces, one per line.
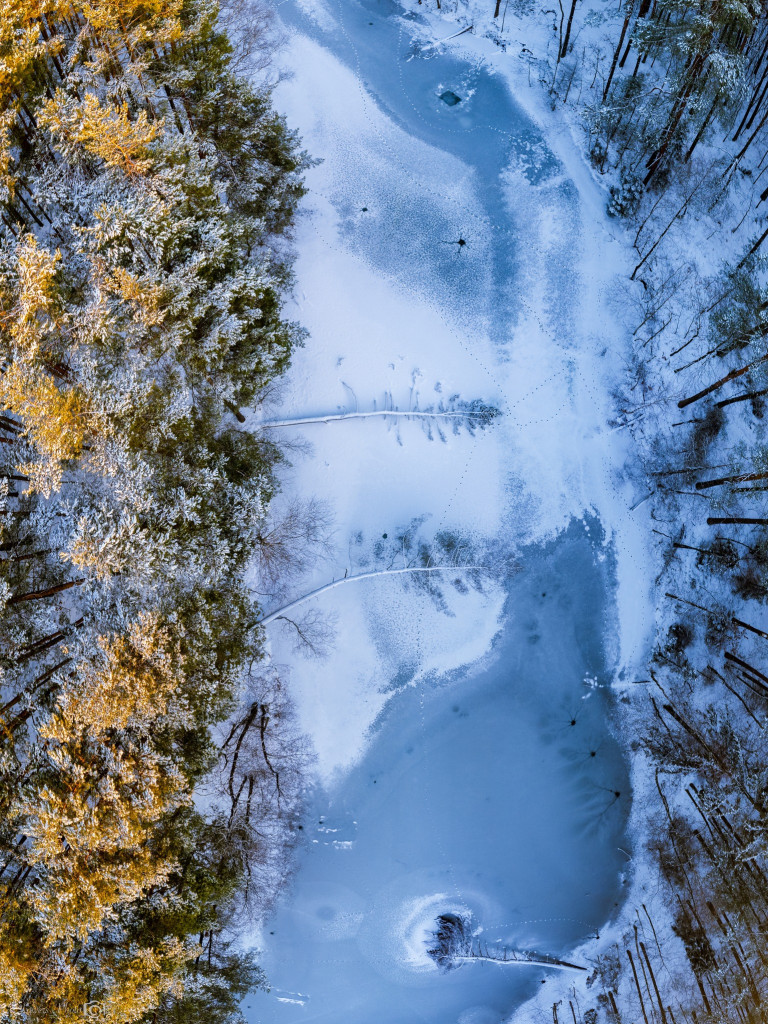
{"x":527,"y":316}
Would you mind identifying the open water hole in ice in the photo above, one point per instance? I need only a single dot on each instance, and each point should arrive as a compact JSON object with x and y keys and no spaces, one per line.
{"x":494,"y":793}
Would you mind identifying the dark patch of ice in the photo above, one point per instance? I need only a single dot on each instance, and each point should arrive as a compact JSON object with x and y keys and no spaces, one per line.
{"x":450,"y":98}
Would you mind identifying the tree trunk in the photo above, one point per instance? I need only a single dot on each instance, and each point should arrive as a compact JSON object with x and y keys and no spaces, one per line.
{"x":9,"y":545}
{"x":742,"y":398}
{"x":719,"y":383}
{"x":675,"y":117}
{"x":301,"y":420}
{"x":701,"y":130}
{"x":44,"y":643}
{"x":617,"y":52}
{"x":736,"y":520}
{"x":10,"y":425}
{"x":34,"y":685}
{"x":732,"y":657}
{"x":740,"y":478}
{"x":755,"y":101}
{"x":653,"y":980}
{"x":746,"y":625}
{"x":564,"y":50}
{"x":644,"y":7}
{"x":637,"y":985}
{"x":690,"y":547}
{"x":32,"y":554}
{"x":680,"y":210}
{"x":235,"y":411}
{"x":751,"y":139}
{"x":360,"y":576}
{"x":36,"y":595}
{"x":756,"y":246}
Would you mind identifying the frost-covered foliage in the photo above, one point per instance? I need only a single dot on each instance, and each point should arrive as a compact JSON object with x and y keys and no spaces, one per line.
{"x":674,"y":100}
{"x":625,"y":197}
{"x":702,"y":727}
{"x":147,"y":196}
{"x":675,"y":70}
{"x":455,"y":943}
{"x":697,"y":395}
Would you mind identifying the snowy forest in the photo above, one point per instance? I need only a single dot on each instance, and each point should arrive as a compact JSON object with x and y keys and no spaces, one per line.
{"x":675,"y":112}
{"x":147,"y":191}
{"x":156,"y":763}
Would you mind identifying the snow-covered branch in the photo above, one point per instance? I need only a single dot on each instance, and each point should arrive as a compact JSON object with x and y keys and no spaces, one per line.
{"x":301,"y":420}
{"x":470,"y":415}
{"x":455,"y":944}
{"x":281,"y":612}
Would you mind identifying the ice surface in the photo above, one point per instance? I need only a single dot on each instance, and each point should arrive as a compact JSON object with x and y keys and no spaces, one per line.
{"x":416,"y":212}
{"x":477,"y":795}
{"x":500,"y":808}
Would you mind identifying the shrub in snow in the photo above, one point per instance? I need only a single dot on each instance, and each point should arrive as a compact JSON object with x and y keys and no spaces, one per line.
{"x":751,"y":584}
{"x":697,"y":945}
{"x":719,"y":627}
{"x":679,"y":637}
{"x":626,"y":196}
{"x":719,"y":556}
{"x":705,"y":431}
{"x":598,"y":153}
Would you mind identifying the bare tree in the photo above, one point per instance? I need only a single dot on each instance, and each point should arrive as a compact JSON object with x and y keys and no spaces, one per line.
{"x":293,"y":538}
{"x":258,"y":784}
{"x":447,"y":558}
{"x":254,"y":33}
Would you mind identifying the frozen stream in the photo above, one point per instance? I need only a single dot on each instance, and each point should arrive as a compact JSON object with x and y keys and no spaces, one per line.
{"x":495,"y":791}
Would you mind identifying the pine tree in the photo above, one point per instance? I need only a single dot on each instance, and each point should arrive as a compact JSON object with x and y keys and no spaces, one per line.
{"x":146,"y":194}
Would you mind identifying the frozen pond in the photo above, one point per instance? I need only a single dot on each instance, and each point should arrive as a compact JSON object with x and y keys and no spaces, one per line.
{"x":413,"y":229}
{"x":500,"y":793}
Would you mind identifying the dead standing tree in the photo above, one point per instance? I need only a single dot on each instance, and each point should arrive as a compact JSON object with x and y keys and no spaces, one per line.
{"x":259,"y":779}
